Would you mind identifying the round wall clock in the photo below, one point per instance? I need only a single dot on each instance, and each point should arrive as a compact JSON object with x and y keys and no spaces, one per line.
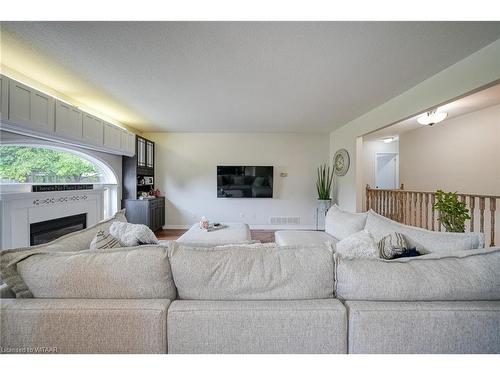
{"x":341,"y":162}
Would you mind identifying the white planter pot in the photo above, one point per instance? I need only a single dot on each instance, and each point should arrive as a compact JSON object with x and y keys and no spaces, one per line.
{"x":321,"y":210}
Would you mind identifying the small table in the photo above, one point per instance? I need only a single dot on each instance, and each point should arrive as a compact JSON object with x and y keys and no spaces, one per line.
{"x":231,"y":233}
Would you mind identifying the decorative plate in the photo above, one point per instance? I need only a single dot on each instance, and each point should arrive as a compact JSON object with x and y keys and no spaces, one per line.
{"x":341,"y":162}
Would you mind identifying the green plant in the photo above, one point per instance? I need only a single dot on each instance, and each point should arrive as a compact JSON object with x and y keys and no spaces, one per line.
{"x":324,"y":181}
{"x":452,"y":212}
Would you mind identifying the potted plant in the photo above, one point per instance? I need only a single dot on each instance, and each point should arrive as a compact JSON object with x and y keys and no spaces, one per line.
{"x":452,"y":212}
{"x":324,"y":186}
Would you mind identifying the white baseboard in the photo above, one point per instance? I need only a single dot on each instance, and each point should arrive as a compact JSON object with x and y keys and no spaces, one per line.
{"x":252,"y":226}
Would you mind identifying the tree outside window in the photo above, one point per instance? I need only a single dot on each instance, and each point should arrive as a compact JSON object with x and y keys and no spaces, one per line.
{"x":29,"y":164}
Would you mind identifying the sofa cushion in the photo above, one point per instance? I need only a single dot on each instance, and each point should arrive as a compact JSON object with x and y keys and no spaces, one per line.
{"x":422,"y":239}
{"x":302,"y":237}
{"x":341,"y":224}
{"x":135,"y":272}
{"x":252,"y":273}
{"x":308,"y":326}
{"x":71,"y":242}
{"x":465,"y":275}
{"x":452,"y":327}
{"x":84,"y":326}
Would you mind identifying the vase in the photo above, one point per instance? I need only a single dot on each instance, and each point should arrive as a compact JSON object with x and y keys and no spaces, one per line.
{"x":321,"y":209}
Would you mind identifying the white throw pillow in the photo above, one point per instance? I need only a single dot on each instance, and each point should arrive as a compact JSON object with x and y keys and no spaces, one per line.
{"x":359,"y":244}
{"x":132,"y":234}
{"x":341,"y":224}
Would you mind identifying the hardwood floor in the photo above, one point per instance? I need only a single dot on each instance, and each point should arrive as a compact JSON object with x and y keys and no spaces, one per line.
{"x":173,"y":234}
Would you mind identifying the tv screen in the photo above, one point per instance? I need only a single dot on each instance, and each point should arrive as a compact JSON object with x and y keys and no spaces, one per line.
{"x":244,"y":181}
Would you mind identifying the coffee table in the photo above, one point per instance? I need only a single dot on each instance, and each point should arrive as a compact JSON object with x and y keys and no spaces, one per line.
{"x":231,"y":233}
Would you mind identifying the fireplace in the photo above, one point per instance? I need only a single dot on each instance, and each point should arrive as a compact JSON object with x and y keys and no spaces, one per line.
{"x":49,"y":230}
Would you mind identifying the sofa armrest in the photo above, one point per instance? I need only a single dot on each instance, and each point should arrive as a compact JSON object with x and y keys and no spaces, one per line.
{"x":34,"y":325}
{"x":6,"y":292}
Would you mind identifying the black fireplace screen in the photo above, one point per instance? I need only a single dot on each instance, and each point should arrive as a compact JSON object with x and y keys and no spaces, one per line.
{"x":46,"y":231}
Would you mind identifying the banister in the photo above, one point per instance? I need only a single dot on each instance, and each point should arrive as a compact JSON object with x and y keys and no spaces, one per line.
{"x":416,"y":207}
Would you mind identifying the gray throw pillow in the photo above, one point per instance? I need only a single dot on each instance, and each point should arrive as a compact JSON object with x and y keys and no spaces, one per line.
{"x":392,"y":245}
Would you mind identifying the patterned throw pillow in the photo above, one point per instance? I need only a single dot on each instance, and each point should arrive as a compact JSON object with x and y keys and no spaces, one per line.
{"x":103,"y":240}
{"x":392,"y":246}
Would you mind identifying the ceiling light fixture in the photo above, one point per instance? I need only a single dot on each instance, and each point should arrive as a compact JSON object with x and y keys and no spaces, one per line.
{"x":388,"y":140}
{"x":432,"y":117}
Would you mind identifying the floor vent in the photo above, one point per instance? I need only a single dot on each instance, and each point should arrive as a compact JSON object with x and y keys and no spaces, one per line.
{"x":284,"y":220}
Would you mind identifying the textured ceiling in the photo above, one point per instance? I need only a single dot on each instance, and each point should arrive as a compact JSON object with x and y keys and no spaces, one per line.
{"x":241,"y":76}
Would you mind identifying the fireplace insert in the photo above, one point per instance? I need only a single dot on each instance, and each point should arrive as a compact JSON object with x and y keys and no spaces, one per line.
{"x":49,"y":230}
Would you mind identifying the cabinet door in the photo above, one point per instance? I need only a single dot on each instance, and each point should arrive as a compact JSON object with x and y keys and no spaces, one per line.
{"x":131,"y":143}
{"x":68,"y":120}
{"x":112,"y":136}
{"x":150,"y":154}
{"x":92,"y":129}
{"x":128,"y":142}
{"x":4,"y":97}
{"x":141,"y":152}
{"x":31,"y":108}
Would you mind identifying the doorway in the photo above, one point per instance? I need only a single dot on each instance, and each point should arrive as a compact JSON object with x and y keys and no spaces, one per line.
{"x":386,"y":170}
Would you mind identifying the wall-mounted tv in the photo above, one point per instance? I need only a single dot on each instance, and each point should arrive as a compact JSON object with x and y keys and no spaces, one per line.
{"x":244,"y":181}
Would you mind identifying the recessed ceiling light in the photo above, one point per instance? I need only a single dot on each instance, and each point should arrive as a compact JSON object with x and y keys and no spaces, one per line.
{"x":432,"y":117}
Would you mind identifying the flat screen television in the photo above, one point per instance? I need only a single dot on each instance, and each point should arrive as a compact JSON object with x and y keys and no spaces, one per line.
{"x":244,"y":181}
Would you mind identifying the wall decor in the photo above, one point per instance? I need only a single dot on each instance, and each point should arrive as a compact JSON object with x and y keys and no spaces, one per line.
{"x":341,"y":162}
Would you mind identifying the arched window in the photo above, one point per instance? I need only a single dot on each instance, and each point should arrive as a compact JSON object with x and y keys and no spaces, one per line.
{"x":25,"y":164}
{"x":41,"y":164}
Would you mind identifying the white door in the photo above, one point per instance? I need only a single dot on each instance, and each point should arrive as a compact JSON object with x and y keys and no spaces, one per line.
{"x":386,"y":170}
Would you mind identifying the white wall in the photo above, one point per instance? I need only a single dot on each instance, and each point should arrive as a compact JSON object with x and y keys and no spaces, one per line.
{"x":460,"y":154}
{"x":186,"y":173}
{"x":477,"y":70}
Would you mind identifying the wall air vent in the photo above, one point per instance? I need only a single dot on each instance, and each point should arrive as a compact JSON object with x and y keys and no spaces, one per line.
{"x":284,"y":220}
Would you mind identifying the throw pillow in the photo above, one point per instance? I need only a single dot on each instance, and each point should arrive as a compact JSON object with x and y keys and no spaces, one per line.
{"x":341,"y":224}
{"x":392,"y":245}
{"x":360,"y":244}
{"x":132,"y":234}
{"x":103,"y":240}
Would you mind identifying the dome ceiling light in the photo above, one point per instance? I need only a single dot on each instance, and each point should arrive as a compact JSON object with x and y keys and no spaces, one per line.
{"x":432,"y":117}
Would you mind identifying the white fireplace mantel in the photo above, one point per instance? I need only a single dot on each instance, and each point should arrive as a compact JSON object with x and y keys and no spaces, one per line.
{"x":19,"y":210}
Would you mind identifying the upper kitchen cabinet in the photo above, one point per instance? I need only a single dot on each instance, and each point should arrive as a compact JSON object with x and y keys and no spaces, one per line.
{"x":31,"y":108}
{"x":68,"y":121}
{"x":112,"y":136}
{"x":4,"y":97}
{"x":92,"y":129}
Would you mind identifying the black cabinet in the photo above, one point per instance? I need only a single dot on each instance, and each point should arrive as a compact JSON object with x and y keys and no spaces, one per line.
{"x":150,"y":212}
{"x":139,"y":171}
{"x":138,"y":178}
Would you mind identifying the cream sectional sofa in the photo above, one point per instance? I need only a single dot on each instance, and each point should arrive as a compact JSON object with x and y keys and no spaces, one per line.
{"x":340,"y":224}
{"x":256,"y":298}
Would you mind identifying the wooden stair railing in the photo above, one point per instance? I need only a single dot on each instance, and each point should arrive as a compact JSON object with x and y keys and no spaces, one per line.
{"x":416,"y":208}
